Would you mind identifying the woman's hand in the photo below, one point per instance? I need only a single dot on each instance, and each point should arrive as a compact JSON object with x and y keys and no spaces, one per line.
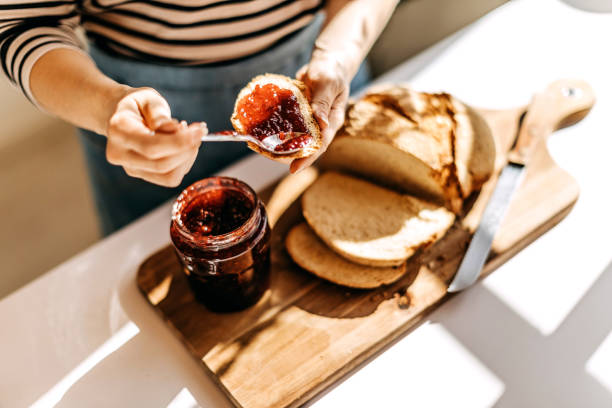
{"x":328,"y":82}
{"x":145,"y":140}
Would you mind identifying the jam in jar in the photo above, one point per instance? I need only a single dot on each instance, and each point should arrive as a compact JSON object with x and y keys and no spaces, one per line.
{"x":221,"y":235}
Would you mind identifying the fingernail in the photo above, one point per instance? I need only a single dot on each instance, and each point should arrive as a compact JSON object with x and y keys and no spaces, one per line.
{"x":295,"y":168}
{"x":323,"y":119}
{"x":198,"y":128}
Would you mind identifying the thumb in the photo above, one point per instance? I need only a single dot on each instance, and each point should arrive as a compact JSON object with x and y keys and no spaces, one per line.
{"x":321,"y":105}
{"x":301,"y":73}
{"x":154,"y":109}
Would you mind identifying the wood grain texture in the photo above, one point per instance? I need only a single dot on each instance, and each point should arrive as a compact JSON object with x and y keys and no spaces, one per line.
{"x":306,"y":333}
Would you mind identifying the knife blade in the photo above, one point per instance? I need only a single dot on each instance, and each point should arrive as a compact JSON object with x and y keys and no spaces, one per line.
{"x":480,"y":246}
{"x":564,"y":102}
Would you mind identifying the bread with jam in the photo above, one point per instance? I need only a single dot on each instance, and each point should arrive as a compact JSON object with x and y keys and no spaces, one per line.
{"x":276,"y":104}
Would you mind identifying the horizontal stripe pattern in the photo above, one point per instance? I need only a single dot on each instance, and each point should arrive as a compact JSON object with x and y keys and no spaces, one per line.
{"x":179,"y":32}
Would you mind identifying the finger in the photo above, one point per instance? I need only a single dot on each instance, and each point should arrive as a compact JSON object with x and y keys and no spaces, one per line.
{"x":158,"y":144}
{"x":166,"y":144}
{"x":153,"y":107}
{"x":170,"y":179}
{"x":322,"y":100}
{"x":300,"y":164}
{"x":169,"y":126}
{"x":202,"y":126}
{"x":163,"y":165}
{"x":190,"y":162}
{"x":296,"y":165}
{"x":336,"y":116}
{"x":127,"y":123}
{"x":174,"y":125}
{"x":194,"y":154}
{"x":301,"y":72}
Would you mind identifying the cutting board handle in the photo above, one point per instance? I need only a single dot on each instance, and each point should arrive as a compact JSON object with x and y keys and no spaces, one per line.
{"x":562,"y":103}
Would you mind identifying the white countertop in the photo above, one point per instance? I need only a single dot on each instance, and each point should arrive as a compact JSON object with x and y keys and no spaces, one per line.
{"x":535,"y":333}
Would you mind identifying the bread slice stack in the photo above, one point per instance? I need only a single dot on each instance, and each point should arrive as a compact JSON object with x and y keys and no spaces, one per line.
{"x":396,"y":176}
{"x":308,"y":251}
{"x":302,"y":96}
{"x":359,"y":234}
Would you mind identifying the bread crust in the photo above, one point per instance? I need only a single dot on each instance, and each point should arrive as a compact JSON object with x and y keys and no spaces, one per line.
{"x":299,"y":89}
{"x":436,"y":132}
{"x":311,"y":254}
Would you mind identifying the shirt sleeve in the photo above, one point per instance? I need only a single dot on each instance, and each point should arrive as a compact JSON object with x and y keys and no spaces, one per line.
{"x":28,"y":30}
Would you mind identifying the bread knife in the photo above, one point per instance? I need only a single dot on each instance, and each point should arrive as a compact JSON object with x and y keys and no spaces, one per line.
{"x":562,"y":103}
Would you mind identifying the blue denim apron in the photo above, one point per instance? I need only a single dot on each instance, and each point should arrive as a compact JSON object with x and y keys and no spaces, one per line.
{"x":205,"y":93}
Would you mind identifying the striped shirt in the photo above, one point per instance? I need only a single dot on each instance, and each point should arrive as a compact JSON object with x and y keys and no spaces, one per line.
{"x":176,"y":32}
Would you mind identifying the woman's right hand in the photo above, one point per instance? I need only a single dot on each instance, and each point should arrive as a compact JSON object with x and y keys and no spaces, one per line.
{"x":145,"y":140}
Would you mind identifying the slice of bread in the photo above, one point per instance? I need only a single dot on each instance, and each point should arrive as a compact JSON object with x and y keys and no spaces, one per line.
{"x":300,"y":91}
{"x":368,"y":224}
{"x":310,"y":253}
{"x":431,"y":145}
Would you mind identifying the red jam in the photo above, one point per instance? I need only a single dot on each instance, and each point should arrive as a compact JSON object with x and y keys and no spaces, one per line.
{"x":216,"y":212}
{"x":296,"y":142}
{"x":270,"y":110}
{"x":221,"y":235}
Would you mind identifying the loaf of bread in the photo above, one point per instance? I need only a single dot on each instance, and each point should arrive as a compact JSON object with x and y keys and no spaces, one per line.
{"x":275,"y":103}
{"x":368,"y":224}
{"x":310,"y":253}
{"x":431,"y":145}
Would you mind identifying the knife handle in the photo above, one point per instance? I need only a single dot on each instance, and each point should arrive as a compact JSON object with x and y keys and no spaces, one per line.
{"x":562,"y":103}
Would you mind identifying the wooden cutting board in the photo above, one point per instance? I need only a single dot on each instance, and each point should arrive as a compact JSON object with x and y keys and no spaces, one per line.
{"x":306,"y":333}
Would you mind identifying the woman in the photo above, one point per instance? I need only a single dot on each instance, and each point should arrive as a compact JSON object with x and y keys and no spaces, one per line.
{"x":152,"y":61}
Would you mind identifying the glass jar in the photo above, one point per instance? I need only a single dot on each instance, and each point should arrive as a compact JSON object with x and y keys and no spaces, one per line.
{"x":221,"y":235}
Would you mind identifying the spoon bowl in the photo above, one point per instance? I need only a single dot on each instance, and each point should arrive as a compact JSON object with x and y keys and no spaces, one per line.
{"x":279,"y":144}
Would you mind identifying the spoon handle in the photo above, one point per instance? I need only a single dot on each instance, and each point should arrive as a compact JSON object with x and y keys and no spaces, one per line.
{"x":222,"y":137}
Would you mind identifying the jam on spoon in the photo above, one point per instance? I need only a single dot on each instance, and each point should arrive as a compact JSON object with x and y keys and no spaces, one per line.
{"x":294,"y":142}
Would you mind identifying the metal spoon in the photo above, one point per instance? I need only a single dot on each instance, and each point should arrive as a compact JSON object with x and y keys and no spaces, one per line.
{"x":269,"y":143}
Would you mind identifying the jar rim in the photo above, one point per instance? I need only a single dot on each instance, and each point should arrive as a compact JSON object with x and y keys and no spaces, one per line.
{"x":212,"y":183}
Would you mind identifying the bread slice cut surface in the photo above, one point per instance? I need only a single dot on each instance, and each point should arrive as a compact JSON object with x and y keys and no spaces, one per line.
{"x":371,"y":225}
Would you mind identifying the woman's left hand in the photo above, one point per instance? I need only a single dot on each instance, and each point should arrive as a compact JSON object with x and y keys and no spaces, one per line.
{"x":328,"y":82}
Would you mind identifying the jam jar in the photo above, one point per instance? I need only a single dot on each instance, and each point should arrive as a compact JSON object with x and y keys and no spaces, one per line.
{"x":221,"y":235}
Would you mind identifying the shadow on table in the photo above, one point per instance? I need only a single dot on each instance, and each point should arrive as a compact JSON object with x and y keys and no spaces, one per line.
{"x":537,"y":370}
{"x":150,"y":359}
{"x":525,"y":369}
